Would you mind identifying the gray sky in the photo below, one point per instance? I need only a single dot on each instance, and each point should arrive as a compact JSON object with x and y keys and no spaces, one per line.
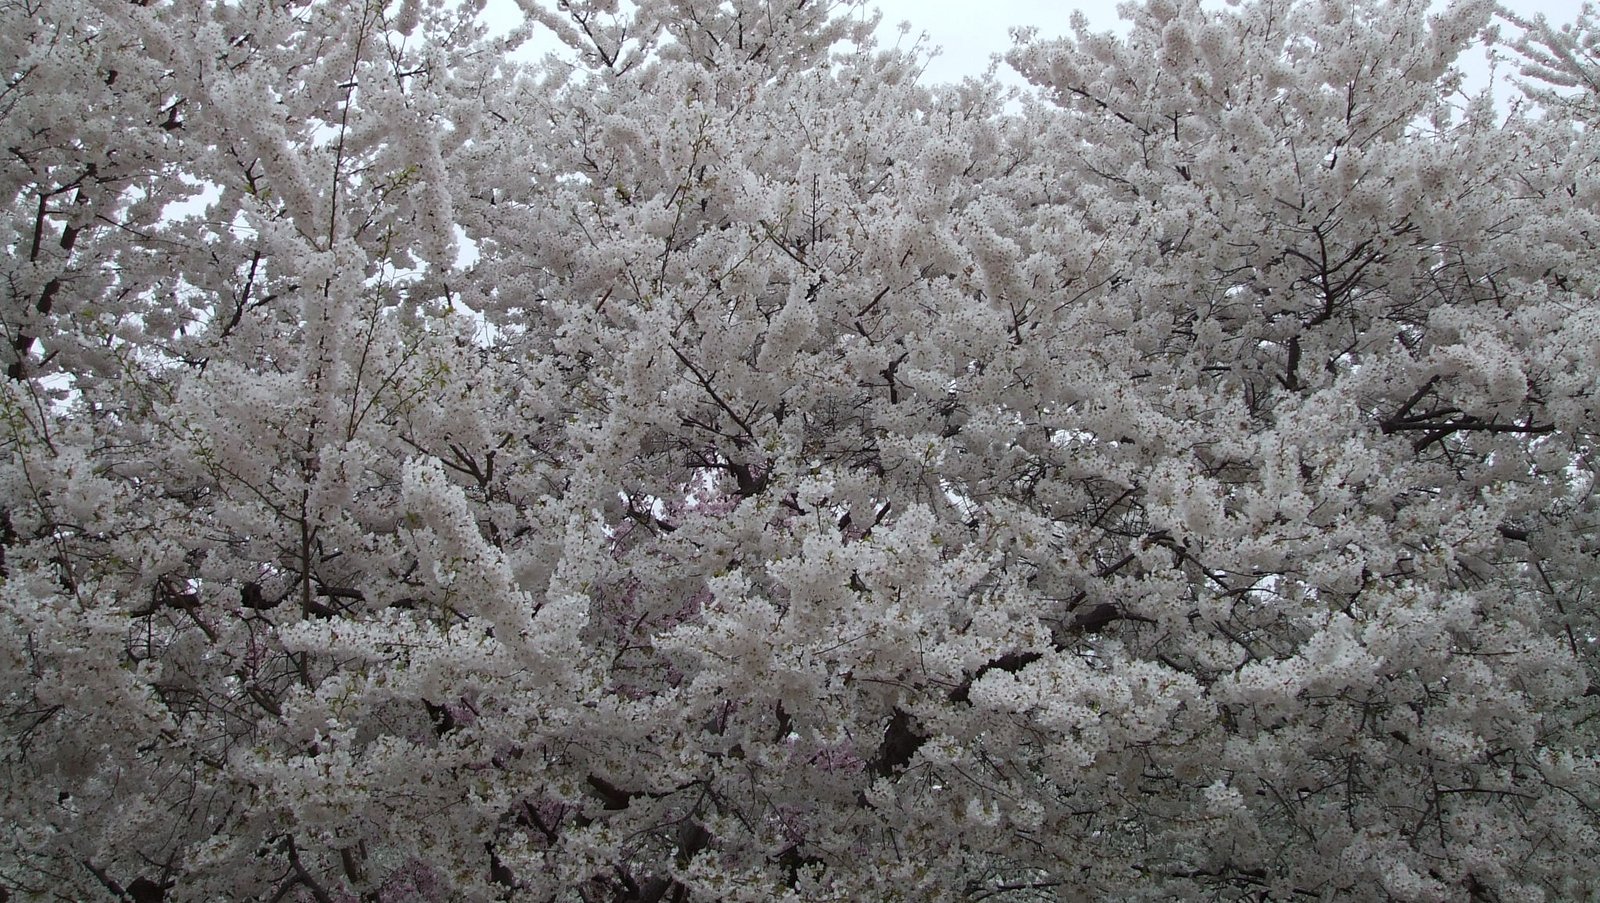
{"x":968,"y":32}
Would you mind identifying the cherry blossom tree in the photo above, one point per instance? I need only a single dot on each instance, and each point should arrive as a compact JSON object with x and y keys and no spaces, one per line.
{"x":709,"y":463}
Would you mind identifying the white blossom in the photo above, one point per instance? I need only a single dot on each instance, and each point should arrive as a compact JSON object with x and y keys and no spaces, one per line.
{"x":709,"y":463}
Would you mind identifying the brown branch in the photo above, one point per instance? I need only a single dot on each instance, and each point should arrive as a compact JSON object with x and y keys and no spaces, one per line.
{"x":900,"y":743}
{"x":614,"y":797}
{"x":1436,"y":430}
{"x":1011,"y":663}
{"x":705,"y":383}
{"x":1416,"y":397}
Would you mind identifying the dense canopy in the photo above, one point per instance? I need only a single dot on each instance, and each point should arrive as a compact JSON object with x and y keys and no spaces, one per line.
{"x":709,"y":462}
